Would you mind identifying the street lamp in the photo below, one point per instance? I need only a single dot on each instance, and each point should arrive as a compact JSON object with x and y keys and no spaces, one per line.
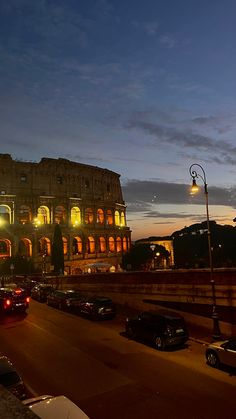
{"x":153,"y":247}
{"x":193,"y":170}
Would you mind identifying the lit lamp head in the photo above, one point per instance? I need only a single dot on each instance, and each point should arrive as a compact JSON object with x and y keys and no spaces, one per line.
{"x":194,"y":188}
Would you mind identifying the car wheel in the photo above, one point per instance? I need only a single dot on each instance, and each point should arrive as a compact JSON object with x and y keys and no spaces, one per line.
{"x":212,"y":359}
{"x":130,"y":332}
{"x":159,"y":343}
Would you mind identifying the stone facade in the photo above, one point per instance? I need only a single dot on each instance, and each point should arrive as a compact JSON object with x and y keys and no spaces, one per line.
{"x":85,"y":200}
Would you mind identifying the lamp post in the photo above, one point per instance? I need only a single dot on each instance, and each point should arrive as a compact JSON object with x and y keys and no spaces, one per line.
{"x":194,"y":172}
{"x":153,"y":247}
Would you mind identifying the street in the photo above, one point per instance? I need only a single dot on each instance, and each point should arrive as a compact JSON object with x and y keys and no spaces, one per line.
{"x":110,"y":376}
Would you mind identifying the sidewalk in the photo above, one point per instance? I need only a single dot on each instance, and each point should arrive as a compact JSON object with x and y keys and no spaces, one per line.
{"x":201,"y":334}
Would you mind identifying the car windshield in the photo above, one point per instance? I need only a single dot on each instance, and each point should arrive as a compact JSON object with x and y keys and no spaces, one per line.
{"x":9,"y":378}
{"x":176,"y":322}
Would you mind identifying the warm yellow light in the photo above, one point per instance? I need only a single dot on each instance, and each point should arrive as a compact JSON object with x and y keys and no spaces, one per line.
{"x":194,"y":188}
{"x":2,"y":222}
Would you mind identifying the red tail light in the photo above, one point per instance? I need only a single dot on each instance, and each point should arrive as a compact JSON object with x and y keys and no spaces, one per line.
{"x":27,"y":299}
{"x":7,"y":304}
{"x":18,"y":291}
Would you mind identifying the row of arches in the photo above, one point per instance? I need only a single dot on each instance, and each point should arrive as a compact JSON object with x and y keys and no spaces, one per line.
{"x":60,"y":215}
{"x":76,"y":246}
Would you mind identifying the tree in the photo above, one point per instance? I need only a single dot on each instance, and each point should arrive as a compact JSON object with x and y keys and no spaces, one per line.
{"x":57,"y":258}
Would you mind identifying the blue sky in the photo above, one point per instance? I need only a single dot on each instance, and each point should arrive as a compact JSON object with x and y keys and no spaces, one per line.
{"x":141,"y":88}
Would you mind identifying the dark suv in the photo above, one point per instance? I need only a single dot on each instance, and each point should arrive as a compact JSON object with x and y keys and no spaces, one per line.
{"x":97,"y":308}
{"x":163,"y":328}
{"x":13,"y":299}
{"x":41,"y":291}
{"x":64,"y":299}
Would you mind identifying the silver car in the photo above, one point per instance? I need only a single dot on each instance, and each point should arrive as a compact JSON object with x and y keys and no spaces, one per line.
{"x":222,"y":352}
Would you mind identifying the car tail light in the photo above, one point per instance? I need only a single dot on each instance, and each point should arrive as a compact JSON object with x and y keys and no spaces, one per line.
{"x":27,"y":299}
{"x":18,"y":291}
{"x":7,"y":303}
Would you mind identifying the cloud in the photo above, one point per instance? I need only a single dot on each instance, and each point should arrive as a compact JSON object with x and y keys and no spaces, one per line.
{"x":168,"y":41}
{"x":140,"y":195}
{"x":189,"y":134}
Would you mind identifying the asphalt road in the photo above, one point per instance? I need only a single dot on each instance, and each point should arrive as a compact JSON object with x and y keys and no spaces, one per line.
{"x":110,"y":376}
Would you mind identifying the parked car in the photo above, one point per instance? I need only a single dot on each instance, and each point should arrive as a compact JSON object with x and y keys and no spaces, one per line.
{"x":97,"y":307}
{"x":27,"y":285}
{"x":64,"y":299}
{"x":59,"y":407}
{"x":41,"y":291}
{"x":163,"y":328}
{"x":13,"y":299}
{"x":222,"y":352}
{"x":11,"y":379}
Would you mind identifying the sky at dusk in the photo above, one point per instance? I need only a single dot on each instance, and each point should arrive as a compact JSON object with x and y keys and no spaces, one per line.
{"x":142,"y":88}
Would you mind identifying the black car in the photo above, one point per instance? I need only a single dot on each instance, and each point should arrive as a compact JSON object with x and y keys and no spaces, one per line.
{"x":163,"y":329}
{"x":64,"y":299}
{"x":97,"y":308}
{"x":13,"y":299}
{"x":10,"y":378}
{"x":41,"y":291}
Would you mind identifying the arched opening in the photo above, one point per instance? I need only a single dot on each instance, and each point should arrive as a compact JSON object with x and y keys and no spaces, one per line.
{"x":100,"y":216}
{"x":90,"y":245}
{"x":5,"y":248}
{"x":75,"y":216}
{"x":77,"y":246}
{"x":122,"y":219}
{"x":125,"y":245}
{"x":25,"y":247}
{"x":102,"y":245}
{"x":43,"y":215}
{"x":44,"y":246}
{"x":24,"y":215}
{"x":65,"y":245}
{"x":5,"y":215}
{"x":118,"y":245}
{"x":109,"y":217}
{"x":60,"y":215}
{"x":88,"y":219}
{"x":117,"y":218}
{"x":111,"y":244}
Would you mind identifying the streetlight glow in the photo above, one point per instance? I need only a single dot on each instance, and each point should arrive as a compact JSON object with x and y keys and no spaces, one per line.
{"x":194,"y":173}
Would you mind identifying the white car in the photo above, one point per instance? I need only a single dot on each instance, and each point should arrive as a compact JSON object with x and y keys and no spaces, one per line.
{"x":59,"y":407}
{"x":222,"y":352}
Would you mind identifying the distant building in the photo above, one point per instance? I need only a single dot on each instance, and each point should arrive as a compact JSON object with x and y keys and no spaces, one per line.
{"x":85,"y":200}
{"x":167,"y":243}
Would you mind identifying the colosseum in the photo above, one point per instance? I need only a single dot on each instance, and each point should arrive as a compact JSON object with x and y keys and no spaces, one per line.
{"x":85,"y":200}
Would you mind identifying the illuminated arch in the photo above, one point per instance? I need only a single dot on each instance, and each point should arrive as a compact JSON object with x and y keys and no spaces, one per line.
{"x":102,"y":244}
{"x":109,"y":217}
{"x":25,"y":247}
{"x":117,"y":218}
{"x":125,"y":244}
{"x":77,"y":245}
{"x":44,"y":246}
{"x":65,"y":245}
{"x":5,"y":214}
{"x":75,"y":216}
{"x":118,"y":245}
{"x":100,"y":216}
{"x":5,"y":248}
{"x":91,"y":244}
{"x":88,"y":219}
{"x":60,"y":215}
{"x":111,"y":244}
{"x":122,"y":219}
{"x":24,"y":215}
{"x":43,"y":215}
